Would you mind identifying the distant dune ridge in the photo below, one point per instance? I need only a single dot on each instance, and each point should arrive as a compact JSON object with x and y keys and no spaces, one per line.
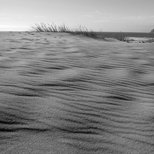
{"x":66,"y":94}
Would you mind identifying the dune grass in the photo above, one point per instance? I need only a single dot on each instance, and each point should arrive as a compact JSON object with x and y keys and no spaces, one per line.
{"x":81,"y":30}
{"x":45,"y":28}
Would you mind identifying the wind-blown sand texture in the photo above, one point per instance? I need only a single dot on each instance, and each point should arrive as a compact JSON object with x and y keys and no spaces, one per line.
{"x":64,"y":94}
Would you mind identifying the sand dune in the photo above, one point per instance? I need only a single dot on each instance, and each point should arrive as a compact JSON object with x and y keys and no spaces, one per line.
{"x":42,"y":74}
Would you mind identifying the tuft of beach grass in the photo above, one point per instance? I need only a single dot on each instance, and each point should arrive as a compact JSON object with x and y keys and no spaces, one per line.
{"x":81,"y":30}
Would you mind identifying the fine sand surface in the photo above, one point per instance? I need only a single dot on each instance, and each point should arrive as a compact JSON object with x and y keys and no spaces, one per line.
{"x":41,"y":74}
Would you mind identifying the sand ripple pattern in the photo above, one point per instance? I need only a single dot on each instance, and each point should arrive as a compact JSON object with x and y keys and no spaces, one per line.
{"x":70,"y":94}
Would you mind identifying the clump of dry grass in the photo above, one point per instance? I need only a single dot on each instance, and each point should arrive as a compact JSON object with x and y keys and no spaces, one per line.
{"x":81,"y":30}
{"x":45,"y":28}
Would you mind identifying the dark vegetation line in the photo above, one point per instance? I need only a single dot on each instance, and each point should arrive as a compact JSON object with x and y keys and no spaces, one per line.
{"x":82,"y":30}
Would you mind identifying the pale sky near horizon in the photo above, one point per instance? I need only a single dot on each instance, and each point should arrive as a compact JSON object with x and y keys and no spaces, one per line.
{"x":105,"y":15}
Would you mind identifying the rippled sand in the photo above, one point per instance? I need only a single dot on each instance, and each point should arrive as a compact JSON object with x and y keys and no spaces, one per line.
{"x":41,"y":72}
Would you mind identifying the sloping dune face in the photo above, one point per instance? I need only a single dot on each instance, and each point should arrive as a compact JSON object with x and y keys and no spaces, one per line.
{"x":63,"y":94}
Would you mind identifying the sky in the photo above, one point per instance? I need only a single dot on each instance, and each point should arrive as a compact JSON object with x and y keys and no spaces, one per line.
{"x":104,"y":15}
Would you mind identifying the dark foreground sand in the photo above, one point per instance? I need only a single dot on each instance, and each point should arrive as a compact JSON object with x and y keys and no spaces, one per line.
{"x":64,"y":94}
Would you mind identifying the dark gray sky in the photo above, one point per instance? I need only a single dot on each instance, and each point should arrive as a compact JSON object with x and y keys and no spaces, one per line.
{"x":108,"y":15}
